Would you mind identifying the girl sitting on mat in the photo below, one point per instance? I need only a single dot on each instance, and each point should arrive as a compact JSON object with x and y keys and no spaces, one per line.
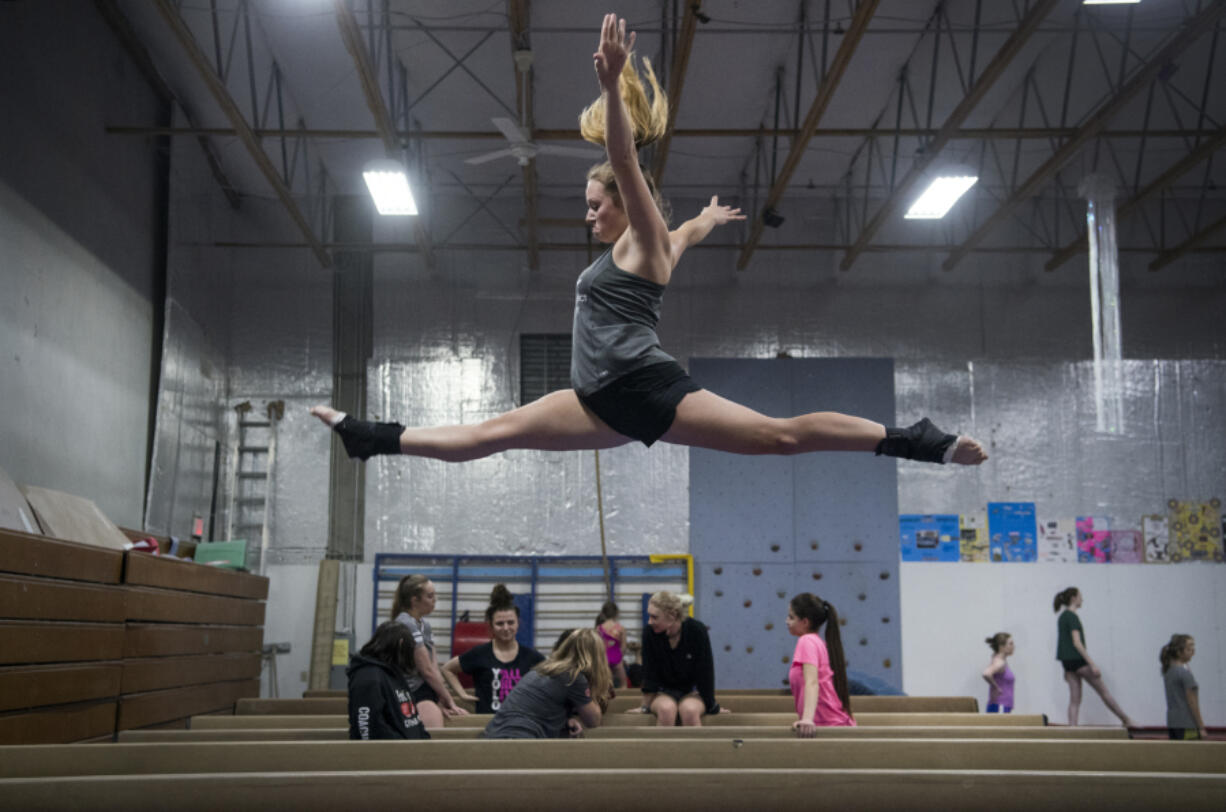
{"x":999,"y":675}
{"x":497,"y":666}
{"x":561,"y":697}
{"x":818,"y":675}
{"x":1183,"y":719}
{"x":1071,"y":652}
{"x":414,"y":600}
{"x":380,"y":702}
{"x":614,"y":636}
{"x":678,"y":669}
{"x":624,"y":387}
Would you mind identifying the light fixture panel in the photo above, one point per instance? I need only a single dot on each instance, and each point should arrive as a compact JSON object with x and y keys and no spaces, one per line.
{"x":389,"y":186}
{"x":940,"y":196}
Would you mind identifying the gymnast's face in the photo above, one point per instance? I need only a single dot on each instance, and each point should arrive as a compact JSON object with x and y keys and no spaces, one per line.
{"x":797,"y":625}
{"x":1008,"y":648}
{"x":425,"y":601}
{"x":505,"y":625}
{"x":604,"y":216}
{"x":1189,"y":650}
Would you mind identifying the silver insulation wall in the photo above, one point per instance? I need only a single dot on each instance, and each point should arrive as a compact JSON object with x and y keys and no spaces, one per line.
{"x":999,"y":348}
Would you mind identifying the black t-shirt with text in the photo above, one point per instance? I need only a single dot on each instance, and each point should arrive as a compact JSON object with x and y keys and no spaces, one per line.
{"x":492,"y":678}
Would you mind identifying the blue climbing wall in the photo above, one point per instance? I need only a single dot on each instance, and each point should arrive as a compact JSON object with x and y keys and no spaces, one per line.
{"x":765,"y":528}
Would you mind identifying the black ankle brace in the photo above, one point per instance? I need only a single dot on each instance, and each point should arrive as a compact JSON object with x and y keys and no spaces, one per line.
{"x":364,"y":439}
{"x":923,"y":442}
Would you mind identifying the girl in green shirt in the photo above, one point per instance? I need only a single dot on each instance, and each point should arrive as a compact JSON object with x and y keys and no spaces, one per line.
{"x":1071,"y":652}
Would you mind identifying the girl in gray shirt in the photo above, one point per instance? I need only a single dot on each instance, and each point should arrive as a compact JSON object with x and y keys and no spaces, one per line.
{"x":1183,"y":719}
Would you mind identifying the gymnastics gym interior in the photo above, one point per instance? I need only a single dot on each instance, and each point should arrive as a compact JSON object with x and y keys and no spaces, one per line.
{"x":190,"y":259}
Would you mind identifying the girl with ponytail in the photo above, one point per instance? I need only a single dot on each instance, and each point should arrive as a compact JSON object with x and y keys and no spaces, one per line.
{"x":1183,"y":719}
{"x":414,"y":599}
{"x":497,"y":666}
{"x":1072,"y":654}
{"x":818,"y":675}
{"x":999,"y":675}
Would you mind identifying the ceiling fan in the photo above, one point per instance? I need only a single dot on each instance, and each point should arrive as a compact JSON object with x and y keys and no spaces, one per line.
{"x":522,"y":147}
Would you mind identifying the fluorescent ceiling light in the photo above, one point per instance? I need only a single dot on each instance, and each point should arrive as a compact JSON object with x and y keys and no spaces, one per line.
{"x":939,"y":197}
{"x":1107,"y":2}
{"x":389,"y":186}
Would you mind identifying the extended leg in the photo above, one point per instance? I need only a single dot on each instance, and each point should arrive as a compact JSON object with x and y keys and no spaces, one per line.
{"x":1101,"y":687}
{"x":707,"y":420}
{"x":556,"y":422}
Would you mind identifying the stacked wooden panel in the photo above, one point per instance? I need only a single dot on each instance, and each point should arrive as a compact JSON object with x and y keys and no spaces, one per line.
{"x":62,"y":612}
{"x":192,"y":643}
{"x":96,"y":640}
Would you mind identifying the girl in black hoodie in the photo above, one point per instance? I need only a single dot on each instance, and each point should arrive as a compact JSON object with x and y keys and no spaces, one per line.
{"x":380,"y":704}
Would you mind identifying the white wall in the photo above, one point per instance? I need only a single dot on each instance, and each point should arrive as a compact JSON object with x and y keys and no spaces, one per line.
{"x":1130,"y":611}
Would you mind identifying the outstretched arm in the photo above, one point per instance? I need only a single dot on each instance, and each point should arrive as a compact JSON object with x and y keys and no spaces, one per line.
{"x":647,"y":225}
{"x":694,"y":231}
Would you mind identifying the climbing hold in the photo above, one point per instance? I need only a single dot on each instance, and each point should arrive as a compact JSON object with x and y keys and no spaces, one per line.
{"x":748,"y":603}
{"x":813,"y":545}
{"x":864,"y":641}
{"x":885,"y":619}
{"x":719,"y":593}
{"x":719,"y":570}
{"x":749,"y":649}
{"x":885,"y":576}
{"x":781,"y":593}
{"x":886,"y":662}
{"x":770,"y":626}
{"x":817,"y":576}
{"x":774,"y":548}
{"x":862,"y":596}
{"x":858,"y":546}
{"x":757,"y":570}
{"x":727,"y":648}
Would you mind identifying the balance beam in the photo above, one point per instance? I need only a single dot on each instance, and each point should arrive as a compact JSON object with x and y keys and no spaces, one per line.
{"x":643,"y":754}
{"x":672,"y":733}
{"x":740,"y":701}
{"x":785,"y":719}
{"x":646,"y":720}
{"x":678,"y":790}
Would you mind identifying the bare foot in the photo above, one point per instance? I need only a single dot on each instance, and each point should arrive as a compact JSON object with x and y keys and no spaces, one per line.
{"x":327,"y":414}
{"x":966,"y":452}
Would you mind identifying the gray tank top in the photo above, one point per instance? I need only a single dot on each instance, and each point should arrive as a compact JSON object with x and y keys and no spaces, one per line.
{"x":615,"y":317}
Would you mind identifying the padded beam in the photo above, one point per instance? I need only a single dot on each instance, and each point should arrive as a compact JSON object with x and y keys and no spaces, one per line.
{"x":676,"y":789}
{"x":62,"y":723}
{"x":742,"y":701}
{"x":50,"y":599}
{"x":784,"y":719}
{"x":50,"y":642}
{"x":157,"y":673}
{"x":165,"y":640}
{"x":173,"y":606}
{"x":29,"y":554}
{"x":671,"y":733}
{"x":143,"y":569}
{"x":29,"y":686}
{"x":154,"y":707}
{"x":644,"y":754}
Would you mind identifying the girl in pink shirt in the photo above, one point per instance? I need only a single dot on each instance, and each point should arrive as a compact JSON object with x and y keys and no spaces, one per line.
{"x":818,"y":675}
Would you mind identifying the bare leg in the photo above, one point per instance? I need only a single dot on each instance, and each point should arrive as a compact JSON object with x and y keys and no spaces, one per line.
{"x":1074,"y":696}
{"x":691,"y":711}
{"x":431,"y":714}
{"x":1101,"y":688}
{"x":619,"y":676}
{"x":665,"y":710}
{"x":556,"y":422}
{"x":707,"y":420}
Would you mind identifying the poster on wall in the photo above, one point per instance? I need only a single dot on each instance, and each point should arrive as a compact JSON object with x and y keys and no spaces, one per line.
{"x":1127,"y":547}
{"x":1058,"y":541}
{"x":973,"y":545}
{"x":1093,"y":539}
{"x":1154,"y":529}
{"x":1195,"y":530}
{"x":929,"y":537}
{"x":1012,"y":532}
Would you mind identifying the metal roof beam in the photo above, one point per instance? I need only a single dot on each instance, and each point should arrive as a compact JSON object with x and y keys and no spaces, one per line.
{"x":949,"y":129}
{"x":1159,"y":183}
{"x":676,"y":82}
{"x":351,"y":35}
{"x":1192,"y":28}
{"x":1190,"y":244}
{"x":825,"y":91}
{"x":228,"y":106}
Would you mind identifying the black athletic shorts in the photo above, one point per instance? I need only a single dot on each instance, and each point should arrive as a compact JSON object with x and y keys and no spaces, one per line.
{"x":424,"y":693}
{"x":642,"y":404}
{"x":1072,"y":665}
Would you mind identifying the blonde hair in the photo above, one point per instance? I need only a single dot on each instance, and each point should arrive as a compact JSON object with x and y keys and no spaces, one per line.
{"x":582,"y":652}
{"x":410,"y":587}
{"x":648,"y":119}
{"x":603,"y":174}
{"x":671,"y":603}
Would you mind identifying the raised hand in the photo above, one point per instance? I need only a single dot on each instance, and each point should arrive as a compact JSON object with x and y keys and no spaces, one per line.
{"x":613,"y":51}
{"x":721,"y":214}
